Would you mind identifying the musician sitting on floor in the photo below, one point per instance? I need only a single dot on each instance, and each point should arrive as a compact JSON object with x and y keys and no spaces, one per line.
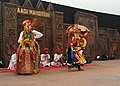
{"x":57,"y":58}
{"x":45,"y":58}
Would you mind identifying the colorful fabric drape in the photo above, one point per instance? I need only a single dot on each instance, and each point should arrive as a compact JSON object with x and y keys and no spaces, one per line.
{"x":28,"y":55}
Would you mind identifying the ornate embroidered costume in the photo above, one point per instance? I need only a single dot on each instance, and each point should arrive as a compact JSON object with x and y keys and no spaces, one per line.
{"x":28,"y":52}
{"x":76,"y":44}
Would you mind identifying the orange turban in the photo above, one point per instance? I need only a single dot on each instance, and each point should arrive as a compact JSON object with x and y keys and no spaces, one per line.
{"x":26,"y":22}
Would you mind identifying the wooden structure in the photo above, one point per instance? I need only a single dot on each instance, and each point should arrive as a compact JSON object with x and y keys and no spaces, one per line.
{"x":109,"y":42}
{"x":50,"y":23}
{"x":90,"y":21}
{"x":53,"y":24}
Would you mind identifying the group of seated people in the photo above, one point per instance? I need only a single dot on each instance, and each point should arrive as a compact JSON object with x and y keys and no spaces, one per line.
{"x":45,"y":60}
{"x":57,"y":60}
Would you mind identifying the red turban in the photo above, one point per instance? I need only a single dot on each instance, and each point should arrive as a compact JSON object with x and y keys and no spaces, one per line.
{"x":58,"y":51}
{"x":46,"y":49}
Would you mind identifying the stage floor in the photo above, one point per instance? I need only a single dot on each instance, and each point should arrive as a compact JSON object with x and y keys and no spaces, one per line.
{"x":104,"y":73}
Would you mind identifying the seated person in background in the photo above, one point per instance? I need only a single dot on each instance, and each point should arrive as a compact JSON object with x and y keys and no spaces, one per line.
{"x":45,"y":58}
{"x":57,"y":58}
{"x":63,"y":60}
{"x":12,"y":64}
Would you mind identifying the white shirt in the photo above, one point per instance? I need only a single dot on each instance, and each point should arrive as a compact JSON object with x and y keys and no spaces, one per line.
{"x":57,"y":56}
{"x":36,"y":35}
{"x":45,"y":57}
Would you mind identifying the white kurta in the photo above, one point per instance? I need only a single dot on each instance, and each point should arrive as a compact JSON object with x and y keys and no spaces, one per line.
{"x":57,"y":57}
{"x":36,"y":35}
{"x":45,"y":60}
{"x":56,"y":61}
{"x":12,"y":63}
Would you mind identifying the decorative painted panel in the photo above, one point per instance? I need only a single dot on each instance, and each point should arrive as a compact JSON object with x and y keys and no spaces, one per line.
{"x":113,"y":42}
{"x":50,"y":7}
{"x":27,"y":4}
{"x":10,"y":30}
{"x":14,"y":2}
{"x":59,"y":30}
{"x":40,"y":6}
{"x":65,"y":37}
{"x":1,"y":35}
{"x":103,"y":42}
{"x":48,"y":39}
{"x":90,"y":21}
{"x":109,"y":42}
